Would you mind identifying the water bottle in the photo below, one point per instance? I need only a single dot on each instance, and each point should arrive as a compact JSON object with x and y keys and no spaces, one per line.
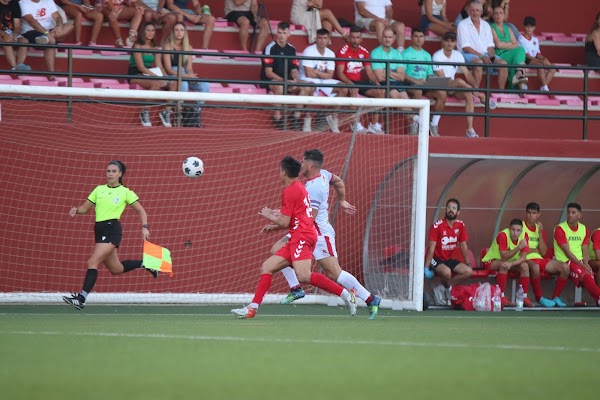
{"x":205,"y":10}
{"x":520,"y":298}
{"x":497,"y":300}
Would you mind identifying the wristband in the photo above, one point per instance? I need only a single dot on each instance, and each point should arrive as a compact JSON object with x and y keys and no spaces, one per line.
{"x":481,"y":56}
{"x":145,"y":226}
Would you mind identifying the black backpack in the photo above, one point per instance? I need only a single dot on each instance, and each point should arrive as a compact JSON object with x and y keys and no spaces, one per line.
{"x":190,"y":117}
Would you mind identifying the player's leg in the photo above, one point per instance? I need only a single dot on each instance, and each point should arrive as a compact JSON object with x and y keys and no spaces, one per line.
{"x":263,"y":26}
{"x":273,"y":264}
{"x":581,"y":277}
{"x":501,"y":268}
{"x":296,"y":291}
{"x":555,"y":267}
{"x":244,"y":31}
{"x":536,"y":268}
{"x":441,"y":292}
{"x":524,"y":280}
{"x":99,"y":254}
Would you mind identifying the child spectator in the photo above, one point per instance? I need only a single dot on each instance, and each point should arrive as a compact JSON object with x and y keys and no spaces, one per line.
{"x":533,"y":55}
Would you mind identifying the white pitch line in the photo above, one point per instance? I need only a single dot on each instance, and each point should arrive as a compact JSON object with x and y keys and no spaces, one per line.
{"x":163,"y":336}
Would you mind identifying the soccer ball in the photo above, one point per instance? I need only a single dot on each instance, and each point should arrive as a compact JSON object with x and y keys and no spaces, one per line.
{"x":193,"y":167}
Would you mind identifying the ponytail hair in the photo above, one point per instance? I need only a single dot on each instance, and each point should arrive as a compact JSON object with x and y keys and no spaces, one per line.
{"x":121,"y":167}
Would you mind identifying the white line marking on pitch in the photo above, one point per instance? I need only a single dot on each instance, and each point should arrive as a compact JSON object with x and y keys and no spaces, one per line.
{"x":307,"y":341}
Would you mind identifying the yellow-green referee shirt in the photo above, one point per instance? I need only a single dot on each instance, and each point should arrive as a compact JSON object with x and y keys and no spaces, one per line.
{"x":110,"y":202}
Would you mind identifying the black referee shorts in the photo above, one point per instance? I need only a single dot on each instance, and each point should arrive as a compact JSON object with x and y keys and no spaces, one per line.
{"x":450,"y":263}
{"x":109,"y":231}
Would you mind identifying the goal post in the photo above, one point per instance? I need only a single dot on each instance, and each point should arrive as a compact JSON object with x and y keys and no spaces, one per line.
{"x":51,"y":163}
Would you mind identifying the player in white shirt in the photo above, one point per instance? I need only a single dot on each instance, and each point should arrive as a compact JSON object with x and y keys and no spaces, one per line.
{"x":531,"y":44}
{"x":318,"y":184}
{"x":320,"y":71}
{"x":448,"y":54}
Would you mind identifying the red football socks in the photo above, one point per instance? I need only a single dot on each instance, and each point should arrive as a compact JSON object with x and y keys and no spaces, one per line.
{"x":501,"y":281}
{"x":558,"y":288}
{"x":536,"y":285}
{"x":328,"y":285}
{"x":264,"y":284}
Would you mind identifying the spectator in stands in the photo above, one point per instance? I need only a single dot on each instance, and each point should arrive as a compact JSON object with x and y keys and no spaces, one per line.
{"x":505,"y":5}
{"x":508,"y":48}
{"x":508,"y":252}
{"x":486,"y":14}
{"x":537,"y":259}
{"x":531,"y":44}
{"x":77,"y":9}
{"x":312,"y":15}
{"x":476,"y":42}
{"x":320,"y":71}
{"x":199,"y":15}
{"x":42,"y":24}
{"x":244,"y":13}
{"x":375,"y":16}
{"x":571,"y":247}
{"x":10,"y":31}
{"x":156,"y":12}
{"x":149,"y":64}
{"x":448,"y":54}
{"x":123,"y":10}
{"x":592,"y":44}
{"x":273,"y":70}
{"x":595,"y":255}
{"x":444,"y":236}
{"x":395,"y":80}
{"x":351,"y":73}
{"x":179,"y":41}
{"x":433,"y":17}
{"x":417,"y":74}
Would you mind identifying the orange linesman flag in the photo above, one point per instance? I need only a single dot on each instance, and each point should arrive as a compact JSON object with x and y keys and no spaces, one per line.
{"x":157,"y":258}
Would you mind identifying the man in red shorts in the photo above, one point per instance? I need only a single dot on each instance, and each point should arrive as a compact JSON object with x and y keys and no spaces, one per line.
{"x":295,"y":214}
{"x":537,"y":259}
{"x":571,"y":247}
{"x":444,"y":235}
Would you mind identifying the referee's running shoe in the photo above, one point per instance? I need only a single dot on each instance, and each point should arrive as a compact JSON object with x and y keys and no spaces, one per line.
{"x":76,"y":300}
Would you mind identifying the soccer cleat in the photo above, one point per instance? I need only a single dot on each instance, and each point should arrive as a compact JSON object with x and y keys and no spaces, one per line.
{"x":244,"y":312}
{"x":76,"y":300}
{"x":559,"y":302}
{"x":376,"y":128}
{"x":374,"y":307}
{"x":165,"y":118}
{"x":434,"y":130}
{"x":293,"y":296}
{"x":506,"y":302}
{"x":527,"y":303}
{"x":546,"y":302}
{"x":333,"y":123}
{"x":145,"y":118}
{"x":152,"y":271}
{"x":351,"y":303}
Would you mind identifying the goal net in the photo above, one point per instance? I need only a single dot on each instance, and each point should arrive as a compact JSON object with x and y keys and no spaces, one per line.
{"x":57,"y":141}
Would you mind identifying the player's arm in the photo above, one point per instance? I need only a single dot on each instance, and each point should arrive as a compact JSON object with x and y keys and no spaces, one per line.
{"x":508,"y":254}
{"x":464,"y":249}
{"x":271,"y":75}
{"x":399,"y":75}
{"x":542,"y":246}
{"x":340,"y":191}
{"x":275,"y":217}
{"x":430,"y":251}
{"x":82,"y":209}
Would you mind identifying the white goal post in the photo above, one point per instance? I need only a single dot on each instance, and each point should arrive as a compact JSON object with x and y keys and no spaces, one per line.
{"x":385,"y":176}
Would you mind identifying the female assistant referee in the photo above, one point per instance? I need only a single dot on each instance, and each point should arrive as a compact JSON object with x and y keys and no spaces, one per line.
{"x":110,"y":201}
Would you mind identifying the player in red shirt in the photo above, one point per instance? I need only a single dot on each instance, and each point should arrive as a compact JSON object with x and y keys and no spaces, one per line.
{"x":295,"y":213}
{"x":595,"y":255}
{"x":351,"y":73}
{"x":444,"y":235}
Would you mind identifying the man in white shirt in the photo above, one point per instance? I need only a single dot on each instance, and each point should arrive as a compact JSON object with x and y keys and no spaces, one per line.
{"x":375,"y":16}
{"x":320,"y":70}
{"x":476,"y":43}
{"x":447,"y":54}
{"x":42,"y":24}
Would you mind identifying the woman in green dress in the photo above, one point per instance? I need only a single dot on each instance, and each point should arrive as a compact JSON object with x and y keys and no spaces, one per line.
{"x":508,"y":49}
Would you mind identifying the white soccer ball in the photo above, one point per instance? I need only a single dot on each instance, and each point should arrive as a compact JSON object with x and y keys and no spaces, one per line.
{"x":193,"y":167}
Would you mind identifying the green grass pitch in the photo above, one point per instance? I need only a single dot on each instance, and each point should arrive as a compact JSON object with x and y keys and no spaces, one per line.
{"x":293,"y":352}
